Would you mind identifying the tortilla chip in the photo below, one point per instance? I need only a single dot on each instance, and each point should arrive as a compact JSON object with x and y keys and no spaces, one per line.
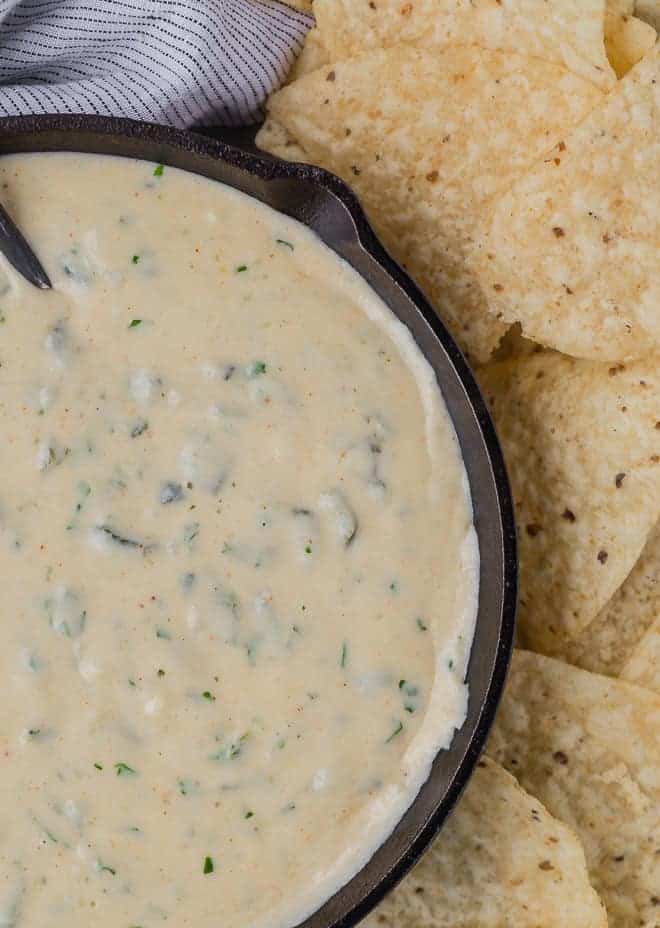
{"x":426,"y":139}
{"x":643,"y":666}
{"x":587,"y":747}
{"x":565,"y":32}
{"x":313,"y":56}
{"x":274,"y":138}
{"x":501,"y":860}
{"x":608,"y":644}
{"x":582,"y":448}
{"x":571,"y":251}
{"x":649,"y":11}
{"x":627,"y":40}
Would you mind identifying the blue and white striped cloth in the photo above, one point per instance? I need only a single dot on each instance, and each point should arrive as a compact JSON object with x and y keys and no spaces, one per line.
{"x":180,"y":62}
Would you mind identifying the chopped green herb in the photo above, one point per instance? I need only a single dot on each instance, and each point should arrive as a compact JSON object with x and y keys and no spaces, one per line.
{"x":248,"y":815}
{"x":84,"y":491}
{"x":124,"y":770}
{"x":283,"y":241}
{"x":158,"y":171}
{"x":33,"y":663}
{"x":410,"y":693}
{"x":187,"y":581}
{"x":421,"y":625}
{"x":408,"y":689}
{"x":190,"y":533}
{"x":103,"y":868}
{"x":186,"y":787}
{"x":122,"y":540}
{"x":394,"y":587}
{"x":208,"y":695}
{"x":49,"y":834}
{"x":343,"y":654}
{"x":171,"y":492}
{"x":230,"y":750}
{"x":280,"y":743}
{"x":134,"y":323}
{"x":135,"y":259}
{"x":163,"y":633}
{"x":99,"y":766}
{"x":256,"y":369}
{"x":161,"y":672}
{"x":227,"y":599}
{"x":139,"y":428}
{"x":208,"y":865}
{"x":450,"y":663}
{"x":397,"y":731}
{"x":308,"y":549}
{"x":241,"y":268}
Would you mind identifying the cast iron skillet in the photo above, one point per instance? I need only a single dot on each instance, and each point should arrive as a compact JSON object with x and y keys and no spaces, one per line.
{"x":322,"y":202}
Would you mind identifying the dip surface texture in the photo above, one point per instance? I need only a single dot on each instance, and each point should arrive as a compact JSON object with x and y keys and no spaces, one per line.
{"x":239,"y":571}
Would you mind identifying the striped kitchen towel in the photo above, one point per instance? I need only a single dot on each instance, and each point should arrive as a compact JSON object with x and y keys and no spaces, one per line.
{"x":181,"y":62}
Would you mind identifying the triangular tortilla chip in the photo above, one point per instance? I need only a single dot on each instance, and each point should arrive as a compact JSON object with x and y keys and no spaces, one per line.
{"x":582,"y":447}
{"x":500,"y":861}
{"x":571,"y":250}
{"x":588,"y":748}
{"x":608,"y":644}
{"x":566,"y":32}
{"x":427,"y":139}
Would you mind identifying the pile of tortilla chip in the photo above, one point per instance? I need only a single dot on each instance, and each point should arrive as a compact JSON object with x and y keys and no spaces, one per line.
{"x":507,"y":152}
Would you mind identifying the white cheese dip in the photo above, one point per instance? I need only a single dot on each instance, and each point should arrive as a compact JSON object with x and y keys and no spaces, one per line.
{"x":239,"y":570}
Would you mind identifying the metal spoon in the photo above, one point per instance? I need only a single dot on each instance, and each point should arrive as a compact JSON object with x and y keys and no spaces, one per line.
{"x":17,"y":251}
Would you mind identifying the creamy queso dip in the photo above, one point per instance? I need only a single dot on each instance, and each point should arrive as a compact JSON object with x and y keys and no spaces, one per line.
{"x":239,"y":572}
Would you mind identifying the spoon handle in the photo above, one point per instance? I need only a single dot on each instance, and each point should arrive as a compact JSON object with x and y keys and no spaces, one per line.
{"x":17,"y":251}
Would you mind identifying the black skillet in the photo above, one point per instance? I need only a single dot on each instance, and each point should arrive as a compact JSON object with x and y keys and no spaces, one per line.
{"x":325,"y":204}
